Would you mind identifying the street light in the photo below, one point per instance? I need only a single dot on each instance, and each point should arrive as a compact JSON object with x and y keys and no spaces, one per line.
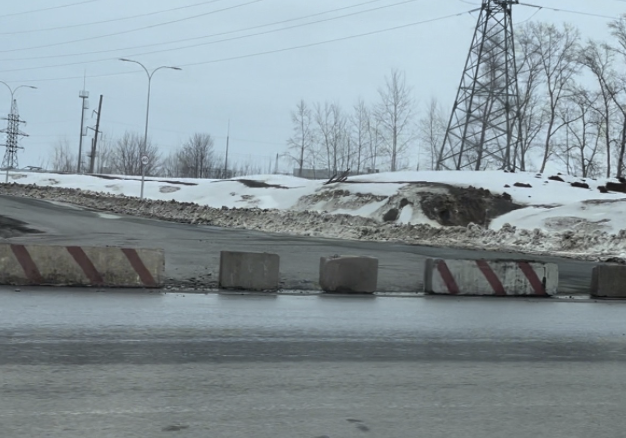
{"x":13,"y":91}
{"x":145,"y":137}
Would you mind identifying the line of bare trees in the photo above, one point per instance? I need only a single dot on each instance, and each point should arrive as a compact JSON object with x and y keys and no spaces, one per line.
{"x":366,"y":137}
{"x":195,"y":158}
{"x":572,"y":113}
{"x":573,"y":105}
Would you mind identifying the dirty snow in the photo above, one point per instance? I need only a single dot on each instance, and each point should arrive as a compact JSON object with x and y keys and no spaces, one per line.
{"x":556,"y":217}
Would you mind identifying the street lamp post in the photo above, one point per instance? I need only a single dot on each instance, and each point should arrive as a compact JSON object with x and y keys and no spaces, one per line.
{"x":13,"y":91}
{"x":145,"y":136}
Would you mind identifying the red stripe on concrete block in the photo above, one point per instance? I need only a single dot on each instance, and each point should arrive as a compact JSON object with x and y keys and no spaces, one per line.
{"x":86,"y":265}
{"x":491,"y":277}
{"x":140,"y":268}
{"x":532,"y":277}
{"x":447,"y":277}
{"x":26,"y":262}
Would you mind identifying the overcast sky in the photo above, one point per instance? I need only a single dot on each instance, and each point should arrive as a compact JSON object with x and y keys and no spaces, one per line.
{"x":226,"y":76}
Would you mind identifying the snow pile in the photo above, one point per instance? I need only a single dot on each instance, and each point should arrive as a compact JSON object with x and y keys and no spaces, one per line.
{"x":360,"y":196}
{"x":557,"y":230}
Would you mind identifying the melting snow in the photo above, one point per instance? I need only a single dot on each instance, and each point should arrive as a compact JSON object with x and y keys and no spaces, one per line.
{"x":551,"y":207}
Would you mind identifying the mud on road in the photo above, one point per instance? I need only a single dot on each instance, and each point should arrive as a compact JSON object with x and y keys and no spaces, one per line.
{"x":14,"y":228}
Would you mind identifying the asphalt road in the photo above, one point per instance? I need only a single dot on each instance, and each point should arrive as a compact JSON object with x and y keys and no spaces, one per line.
{"x":82,"y":364}
{"x":192,"y":252}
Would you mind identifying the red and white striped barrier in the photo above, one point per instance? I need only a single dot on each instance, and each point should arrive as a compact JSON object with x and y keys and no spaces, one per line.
{"x":39,"y":265}
{"x":494,"y":277}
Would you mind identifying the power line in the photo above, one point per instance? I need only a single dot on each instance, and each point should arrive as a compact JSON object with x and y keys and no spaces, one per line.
{"x":251,"y":55}
{"x":529,"y":18}
{"x":334,"y":40}
{"x":131,"y":30}
{"x":219,"y":41}
{"x":49,"y":8}
{"x":284,"y":49}
{"x":195,"y":38}
{"x":131,"y":17}
{"x":281,"y":29}
{"x":569,"y":11}
{"x":231,"y":32}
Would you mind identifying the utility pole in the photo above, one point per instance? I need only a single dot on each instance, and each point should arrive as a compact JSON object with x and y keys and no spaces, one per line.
{"x":94,"y":144}
{"x":83,"y":95}
{"x":227,"y":145}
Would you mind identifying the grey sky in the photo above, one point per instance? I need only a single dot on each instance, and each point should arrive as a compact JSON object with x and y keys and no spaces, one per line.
{"x":256,"y":93}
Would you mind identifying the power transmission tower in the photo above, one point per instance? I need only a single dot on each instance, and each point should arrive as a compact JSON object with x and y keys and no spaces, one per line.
{"x":483,"y":131}
{"x":13,"y":134}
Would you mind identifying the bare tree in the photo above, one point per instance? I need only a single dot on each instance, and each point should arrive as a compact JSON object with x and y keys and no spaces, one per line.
{"x":249,"y":166}
{"x":127,"y":152}
{"x":531,"y":117}
{"x":331,"y":126}
{"x":557,"y":50}
{"x":374,"y":142}
{"x":599,"y":58}
{"x":395,"y":113}
{"x":196,"y":158}
{"x":359,"y":123}
{"x":532,"y":121}
{"x":302,"y":139}
{"x":432,"y":130}
{"x":580,"y":151}
{"x":618,"y":30}
{"x":63,"y":158}
{"x":104,"y":155}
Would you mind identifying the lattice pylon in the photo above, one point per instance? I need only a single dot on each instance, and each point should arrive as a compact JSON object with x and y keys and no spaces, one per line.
{"x":483,"y":130}
{"x":13,"y":133}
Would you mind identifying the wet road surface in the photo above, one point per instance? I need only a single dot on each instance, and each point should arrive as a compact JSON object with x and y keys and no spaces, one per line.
{"x":78,"y":363}
{"x":192,"y":252}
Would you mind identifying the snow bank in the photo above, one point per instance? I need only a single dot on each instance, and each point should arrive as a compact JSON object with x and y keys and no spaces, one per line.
{"x":556,"y":218}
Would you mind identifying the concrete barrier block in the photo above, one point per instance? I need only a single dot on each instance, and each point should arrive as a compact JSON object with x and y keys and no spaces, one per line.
{"x":44,"y":265}
{"x":249,"y":271}
{"x":609,"y":281}
{"x":349,"y":274}
{"x":493,"y":277}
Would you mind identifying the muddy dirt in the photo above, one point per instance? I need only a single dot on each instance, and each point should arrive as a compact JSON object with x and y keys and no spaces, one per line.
{"x":442,"y":203}
{"x":464,"y":206}
{"x":253,"y":184}
{"x":168,"y":189}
